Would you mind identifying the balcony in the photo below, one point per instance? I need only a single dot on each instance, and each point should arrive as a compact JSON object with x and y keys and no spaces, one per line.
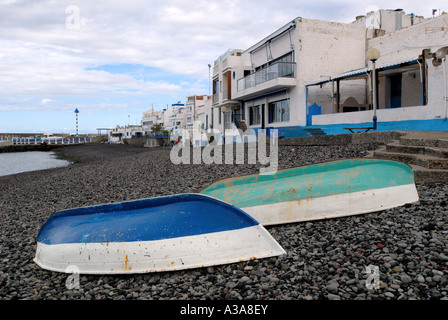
{"x":274,"y":77}
{"x":226,"y":94}
{"x":224,"y":98}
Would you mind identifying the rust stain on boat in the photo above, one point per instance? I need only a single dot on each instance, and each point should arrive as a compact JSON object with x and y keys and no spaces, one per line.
{"x":127,"y":267}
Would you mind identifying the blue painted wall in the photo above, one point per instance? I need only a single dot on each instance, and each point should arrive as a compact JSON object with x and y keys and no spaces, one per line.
{"x":417,"y":125}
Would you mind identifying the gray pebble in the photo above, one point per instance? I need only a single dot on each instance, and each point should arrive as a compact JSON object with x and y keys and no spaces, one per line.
{"x":331,"y":296}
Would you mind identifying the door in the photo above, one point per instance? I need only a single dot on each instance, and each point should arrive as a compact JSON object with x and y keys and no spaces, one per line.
{"x":395,"y":91}
{"x":227,"y":120}
{"x":263,"y":117}
{"x":237,"y":115}
{"x":312,"y":110}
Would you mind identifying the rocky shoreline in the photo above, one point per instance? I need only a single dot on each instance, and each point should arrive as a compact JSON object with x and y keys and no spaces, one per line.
{"x":29,"y":147}
{"x":326,"y":260}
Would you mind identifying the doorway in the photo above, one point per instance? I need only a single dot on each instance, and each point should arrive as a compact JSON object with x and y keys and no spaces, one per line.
{"x":227,"y":120}
{"x":263,"y":126}
{"x":395,"y":90}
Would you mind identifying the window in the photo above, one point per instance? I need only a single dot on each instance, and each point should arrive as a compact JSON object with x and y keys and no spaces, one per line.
{"x":216,"y":86}
{"x":289,"y":57}
{"x":227,"y":120}
{"x":279,"y":111}
{"x":280,"y":67}
{"x":286,"y":58}
{"x":215,"y":91}
{"x":254,"y":115}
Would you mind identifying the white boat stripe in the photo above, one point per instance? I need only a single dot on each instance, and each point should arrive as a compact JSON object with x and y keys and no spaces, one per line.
{"x":334,"y":206}
{"x":160,"y":255}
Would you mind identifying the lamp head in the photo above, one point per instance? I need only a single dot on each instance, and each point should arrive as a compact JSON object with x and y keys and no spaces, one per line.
{"x":373,"y":54}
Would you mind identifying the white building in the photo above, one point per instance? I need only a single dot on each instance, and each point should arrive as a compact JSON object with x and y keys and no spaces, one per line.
{"x":120,"y":133}
{"x":312,"y":75}
{"x":297,"y":78}
{"x":411,"y":81}
{"x":151,"y":118}
{"x":200,"y":108}
{"x":264,"y":86}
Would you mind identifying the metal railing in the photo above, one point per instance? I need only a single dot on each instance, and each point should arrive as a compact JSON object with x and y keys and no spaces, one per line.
{"x":22,"y":141}
{"x":276,"y":70}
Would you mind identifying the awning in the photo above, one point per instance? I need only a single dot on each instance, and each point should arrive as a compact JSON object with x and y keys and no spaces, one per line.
{"x":396,"y":63}
{"x":360,"y":71}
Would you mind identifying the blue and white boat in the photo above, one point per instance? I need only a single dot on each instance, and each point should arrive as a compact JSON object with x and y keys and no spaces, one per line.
{"x":150,"y":235}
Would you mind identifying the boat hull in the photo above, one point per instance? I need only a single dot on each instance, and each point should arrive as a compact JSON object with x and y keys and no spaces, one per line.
{"x":321,"y":191}
{"x":151,"y":235}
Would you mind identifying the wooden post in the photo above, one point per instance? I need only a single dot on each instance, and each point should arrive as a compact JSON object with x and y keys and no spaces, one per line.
{"x":338,"y":95}
{"x":425,"y":55}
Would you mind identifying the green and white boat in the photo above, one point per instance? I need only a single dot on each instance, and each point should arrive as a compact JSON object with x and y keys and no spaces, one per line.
{"x":319,"y":191}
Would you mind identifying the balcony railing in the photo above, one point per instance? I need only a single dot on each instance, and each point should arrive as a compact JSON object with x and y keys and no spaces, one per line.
{"x":276,"y":70}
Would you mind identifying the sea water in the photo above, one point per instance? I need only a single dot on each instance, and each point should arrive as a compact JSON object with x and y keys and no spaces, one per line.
{"x":16,"y":162}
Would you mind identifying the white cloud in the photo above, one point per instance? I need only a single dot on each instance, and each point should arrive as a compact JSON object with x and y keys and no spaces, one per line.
{"x":43,"y":62}
{"x":45,"y":101}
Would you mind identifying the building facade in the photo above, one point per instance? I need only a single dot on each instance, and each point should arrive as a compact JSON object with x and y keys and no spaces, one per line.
{"x":315,"y":74}
{"x":411,"y":80}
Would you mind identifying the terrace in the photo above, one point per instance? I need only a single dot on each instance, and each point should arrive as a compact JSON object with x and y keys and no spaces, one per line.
{"x":279,"y":75}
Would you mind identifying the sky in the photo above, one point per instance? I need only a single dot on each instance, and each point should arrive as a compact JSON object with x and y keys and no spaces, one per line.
{"x":113,"y":60}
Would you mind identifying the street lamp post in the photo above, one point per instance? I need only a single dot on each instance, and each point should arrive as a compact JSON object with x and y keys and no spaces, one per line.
{"x":209,"y":91}
{"x":373,"y":54}
{"x":209,"y":66}
{"x":76,"y":111}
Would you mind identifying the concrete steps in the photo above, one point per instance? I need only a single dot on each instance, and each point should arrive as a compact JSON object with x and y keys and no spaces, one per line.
{"x":423,"y":160}
{"x":411,"y":149}
{"x":425,"y":152}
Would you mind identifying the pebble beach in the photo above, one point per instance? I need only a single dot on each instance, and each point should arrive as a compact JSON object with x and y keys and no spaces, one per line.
{"x":325,"y":260}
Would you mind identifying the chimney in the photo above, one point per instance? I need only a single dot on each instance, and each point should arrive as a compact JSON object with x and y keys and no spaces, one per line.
{"x":398,"y":18}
